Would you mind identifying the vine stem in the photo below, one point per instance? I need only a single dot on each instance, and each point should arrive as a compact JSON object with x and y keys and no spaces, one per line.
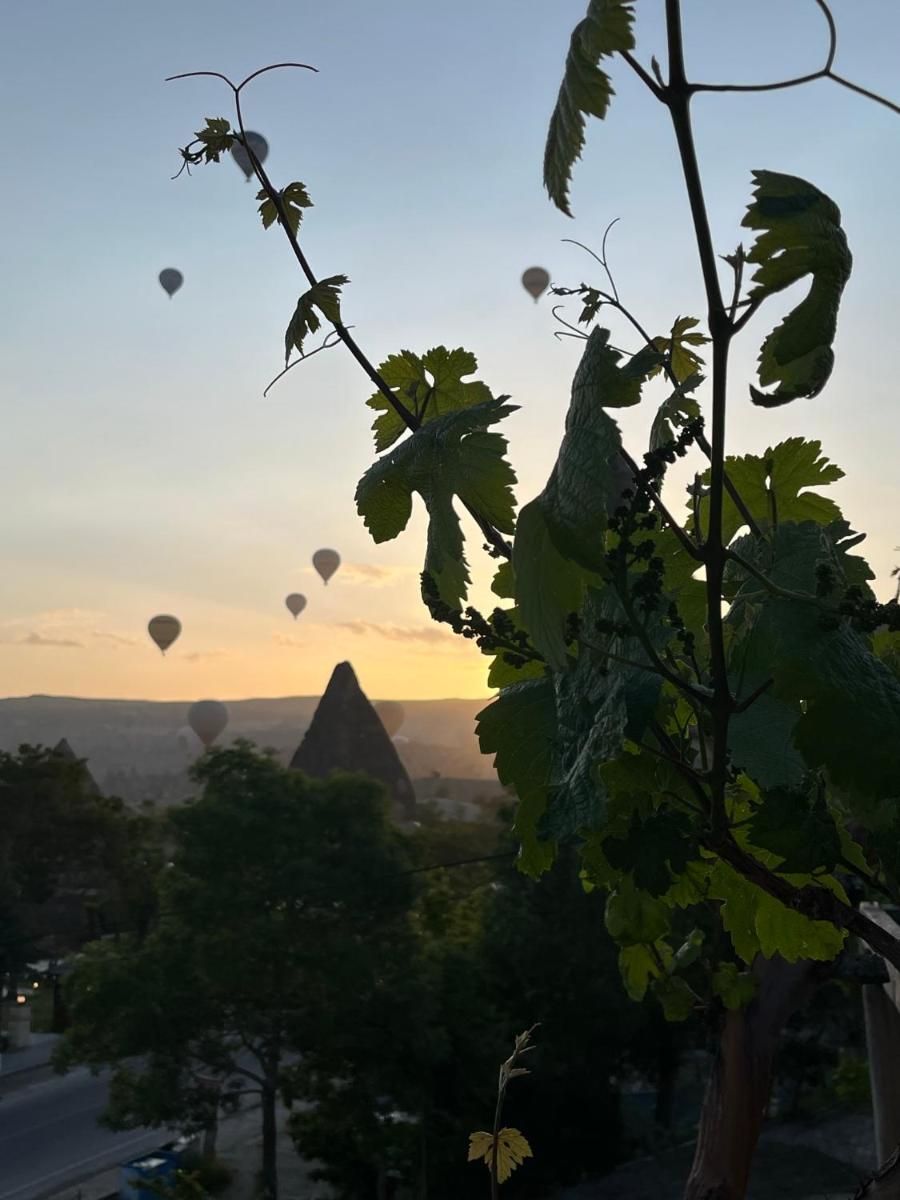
{"x":494,"y":538}
{"x":678,"y":99}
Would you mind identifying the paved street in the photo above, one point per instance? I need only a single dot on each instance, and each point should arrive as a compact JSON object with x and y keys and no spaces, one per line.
{"x":49,"y":1135}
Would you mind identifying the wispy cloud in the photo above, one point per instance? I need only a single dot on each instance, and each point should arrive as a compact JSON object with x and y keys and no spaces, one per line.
{"x":203,"y":655}
{"x":429,"y":634}
{"x":285,"y":639}
{"x":374,"y":574}
{"x":38,"y":639}
{"x":117,"y":639}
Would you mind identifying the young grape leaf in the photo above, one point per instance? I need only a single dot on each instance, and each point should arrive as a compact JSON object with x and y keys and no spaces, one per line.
{"x":586,"y":90}
{"x":633,"y":917}
{"x":430,"y":387}
{"x":217,"y":138}
{"x":683,"y":362}
{"x":324,"y":296}
{"x":294,"y":198}
{"x":675,"y":413}
{"x":453,"y":455}
{"x":512,"y":1150}
{"x":800,"y":235}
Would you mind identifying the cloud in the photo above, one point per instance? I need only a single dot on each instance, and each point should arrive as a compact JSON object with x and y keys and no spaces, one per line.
{"x":202,"y":655}
{"x":38,"y":639}
{"x":373,"y":574}
{"x":430,"y":634}
{"x":117,"y":639}
{"x":285,"y":639}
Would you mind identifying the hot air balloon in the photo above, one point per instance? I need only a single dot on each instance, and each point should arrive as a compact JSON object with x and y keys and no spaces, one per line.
{"x":296,"y":604}
{"x":164,"y":630}
{"x":171,"y":280}
{"x":392,"y":715}
{"x":535,"y":281}
{"x":326,"y":563}
{"x":207,"y":718}
{"x":258,"y":145}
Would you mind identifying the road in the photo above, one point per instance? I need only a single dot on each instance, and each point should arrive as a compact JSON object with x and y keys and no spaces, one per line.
{"x":49,"y":1137}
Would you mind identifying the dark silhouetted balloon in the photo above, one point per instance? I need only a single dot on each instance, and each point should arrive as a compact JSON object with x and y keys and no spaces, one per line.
{"x":164,"y":630}
{"x":207,"y":718}
{"x":535,"y":281}
{"x":296,"y":604}
{"x":326,"y":563}
{"x":392,"y":715}
{"x":258,"y":145}
{"x":170,"y":280}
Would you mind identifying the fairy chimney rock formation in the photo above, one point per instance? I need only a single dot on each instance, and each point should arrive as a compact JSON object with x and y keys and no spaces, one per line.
{"x":64,"y":750}
{"x":346,"y":734}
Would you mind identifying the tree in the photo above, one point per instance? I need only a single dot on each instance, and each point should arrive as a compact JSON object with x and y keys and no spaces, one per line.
{"x":274,"y":915}
{"x":70,"y":863}
{"x":705,"y":707}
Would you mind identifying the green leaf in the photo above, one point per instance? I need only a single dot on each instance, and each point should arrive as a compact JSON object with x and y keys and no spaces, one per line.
{"x":850,"y":700}
{"x":690,"y":949}
{"x":429,"y":387}
{"x":324,"y":296}
{"x":655,"y":850}
{"x":560,"y":535}
{"x":800,"y":235}
{"x":683,"y":362}
{"x":675,"y":996}
{"x":217,"y":138}
{"x":453,"y":455}
{"x":520,"y":729}
{"x":675,"y":413}
{"x":775,"y":485}
{"x":633,"y":917}
{"x":758,"y":923}
{"x":585,"y":90}
{"x":735,"y":988}
{"x":640,"y":964}
{"x":761,"y":739}
{"x":799,"y":829}
{"x":294,"y":198}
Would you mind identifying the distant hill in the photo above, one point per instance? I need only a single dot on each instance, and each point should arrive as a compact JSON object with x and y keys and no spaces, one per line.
{"x":141,"y":749}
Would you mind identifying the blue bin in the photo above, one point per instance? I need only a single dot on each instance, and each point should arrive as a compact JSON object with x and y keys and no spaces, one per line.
{"x":158,"y":1165}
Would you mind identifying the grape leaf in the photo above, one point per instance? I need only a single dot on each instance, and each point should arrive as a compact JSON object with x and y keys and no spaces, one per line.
{"x":453,"y":455}
{"x":675,"y":413}
{"x":585,"y":90}
{"x":512,"y":1150}
{"x":656,"y":849}
{"x":217,"y":138}
{"x":324,"y":296}
{"x":776,"y":484}
{"x":429,"y":387}
{"x":675,"y":996}
{"x":520,"y":729}
{"x":639,"y":964}
{"x":633,"y":917}
{"x":850,"y":699}
{"x":800,"y":235}
{"x":761,"y":739}
{"x":683,"y":362}
{"x":560,"y":535}
{"x":735,"y":988}
{"x":798,"y":828}
{"x":294,"y":198}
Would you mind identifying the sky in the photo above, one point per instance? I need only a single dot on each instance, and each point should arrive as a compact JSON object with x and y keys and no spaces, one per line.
{"x":143,"y":471}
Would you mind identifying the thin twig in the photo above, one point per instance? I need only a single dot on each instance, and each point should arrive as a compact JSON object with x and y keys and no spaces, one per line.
{"x":643,"y":74}
{"x":327,"y":344}
{"x":743,"y":705}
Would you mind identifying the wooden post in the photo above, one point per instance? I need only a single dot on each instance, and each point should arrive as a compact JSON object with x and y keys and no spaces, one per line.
{"x":880,"y":1005}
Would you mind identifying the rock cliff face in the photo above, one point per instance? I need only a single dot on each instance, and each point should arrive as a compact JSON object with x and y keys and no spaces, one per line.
{"x":347,"y":735}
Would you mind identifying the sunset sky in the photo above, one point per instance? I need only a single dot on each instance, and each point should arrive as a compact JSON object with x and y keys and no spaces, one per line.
{"x":143,"y":471}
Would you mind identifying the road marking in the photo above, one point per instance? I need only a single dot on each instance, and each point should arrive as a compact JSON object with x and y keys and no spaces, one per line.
{"x":71,"y":1167}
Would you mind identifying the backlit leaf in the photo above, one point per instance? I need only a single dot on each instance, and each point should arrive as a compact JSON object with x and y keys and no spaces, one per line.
{"x":429,"y":386}
{"x":324,"y":296}
{"x":512,"y":1150}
